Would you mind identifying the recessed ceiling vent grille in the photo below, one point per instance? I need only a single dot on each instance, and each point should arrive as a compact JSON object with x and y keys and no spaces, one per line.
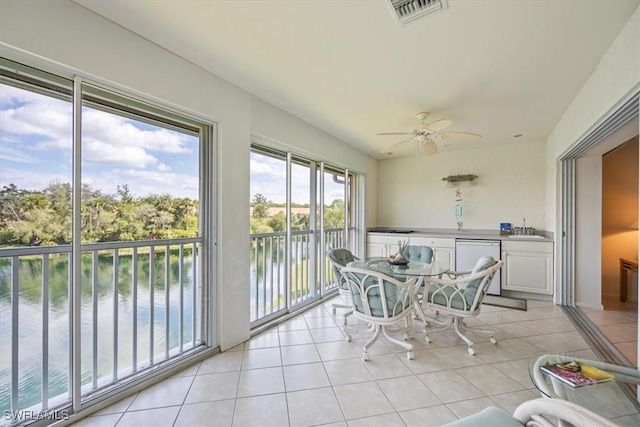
{"x":408,"y":10}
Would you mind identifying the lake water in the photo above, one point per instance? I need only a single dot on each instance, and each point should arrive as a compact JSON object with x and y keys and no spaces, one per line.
{"x":30,"y":325}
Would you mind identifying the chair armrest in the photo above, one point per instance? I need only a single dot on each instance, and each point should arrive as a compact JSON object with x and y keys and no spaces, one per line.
{"x":456,"y":273}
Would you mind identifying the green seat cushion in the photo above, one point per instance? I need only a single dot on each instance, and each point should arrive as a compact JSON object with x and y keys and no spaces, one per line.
{"x":469,"y":291}
{"x":395,"y":298}
{"x":342,"y":257}
{"x":418,"y":253}
{"x":488,"y":417}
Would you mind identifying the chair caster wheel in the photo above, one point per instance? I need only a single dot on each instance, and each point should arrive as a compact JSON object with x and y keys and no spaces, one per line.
{"x":347,"y":337}
{"x":406,"y":336}
{"x":493,"y":340}
{"x":333,"y":310}
{"x":365,"y":357}
{"x":344,"y":322}
{"x":471,"y":352}
{"x":410,"y":355}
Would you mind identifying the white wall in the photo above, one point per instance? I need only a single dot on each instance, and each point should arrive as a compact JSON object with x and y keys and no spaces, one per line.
{"x":589,"y":231}
{"x":616,"y":77}
{"x":74,"y":37}
{"x":510,"y":186}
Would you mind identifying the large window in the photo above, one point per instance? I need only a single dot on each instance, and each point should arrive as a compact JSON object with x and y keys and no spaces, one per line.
{"x":101,"y":238}
{"x":299,"y":207}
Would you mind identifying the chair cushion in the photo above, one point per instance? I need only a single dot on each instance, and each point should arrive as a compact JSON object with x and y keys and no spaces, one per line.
{"x":488,"y":417}
{"x":469,"y":291}
{"x":396,"y":300}
{"x":418,"y":253}
{"x":342,"y":257}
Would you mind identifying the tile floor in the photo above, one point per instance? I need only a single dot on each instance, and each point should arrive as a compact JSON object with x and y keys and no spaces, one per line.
{"x":619,"y":323}
{"x":303,"y":373}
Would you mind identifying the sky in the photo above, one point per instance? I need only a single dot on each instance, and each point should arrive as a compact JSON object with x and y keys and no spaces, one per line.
{"x":268,"y":177}
{"x":36,"y":149}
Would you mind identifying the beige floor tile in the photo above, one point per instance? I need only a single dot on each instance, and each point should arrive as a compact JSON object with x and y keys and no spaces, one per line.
{"x":263,"y":340}
{"x":303,"y":377}
{"x":456,"y":356}
{"x":517,"y":370}
{"x":325,"y":321}
{"x":156,"y":396}
{"x":327,"y":334}
{"x":222,"y":362}
{"x":297,"y":354}
{"x":335,"y":350}
{"x":313,"y":407}
{"x":386,"y":420}
{"x":362,"y":400}
{"x":107,"y":420}
{"x":260,"y":381}
{"x":159,"y":417}
{"x":261,"y":358}
{"x":269,"y":410}
{"x":489,"y":380}
{"x":295,"y":324}
{"x":347,"y":371}
{"x":297,"y":337}
{"x":469,"y":407}
{"x":510,"y":401}
{"x":207,"y":414}
{"x":424,"y":361}
{"x":386,"y":366}
{"x":210,"y":387}
{"x":118,"y":407}
{"x":434,"y":416}
{"x":407,"y":393}
{"x":449,"y":387}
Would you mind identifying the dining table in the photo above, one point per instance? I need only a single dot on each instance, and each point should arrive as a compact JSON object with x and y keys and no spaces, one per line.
{"x":402,"y":271}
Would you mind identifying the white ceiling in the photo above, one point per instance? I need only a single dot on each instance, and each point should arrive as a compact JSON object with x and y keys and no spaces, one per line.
{"x":497,"y":68}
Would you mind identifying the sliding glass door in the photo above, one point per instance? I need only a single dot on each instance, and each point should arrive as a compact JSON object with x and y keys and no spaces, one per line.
{"x":101,"y":239}
{"x":299,"y":207}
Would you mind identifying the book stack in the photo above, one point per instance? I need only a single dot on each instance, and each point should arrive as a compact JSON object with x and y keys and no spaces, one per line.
{"x":576,"y":374}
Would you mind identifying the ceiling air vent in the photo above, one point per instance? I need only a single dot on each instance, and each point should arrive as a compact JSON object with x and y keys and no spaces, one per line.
{"x":408,"y":10}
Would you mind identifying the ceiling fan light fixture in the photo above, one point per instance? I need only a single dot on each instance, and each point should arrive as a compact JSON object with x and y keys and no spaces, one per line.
{"x":430,"y":148}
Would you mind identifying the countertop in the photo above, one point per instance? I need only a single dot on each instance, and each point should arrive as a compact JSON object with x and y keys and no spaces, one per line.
{"x":540,"y":236}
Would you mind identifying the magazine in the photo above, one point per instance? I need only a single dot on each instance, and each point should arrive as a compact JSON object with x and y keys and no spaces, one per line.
{"x":577,"y":374}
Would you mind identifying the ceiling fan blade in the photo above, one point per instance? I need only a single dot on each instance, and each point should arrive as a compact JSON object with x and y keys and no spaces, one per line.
{"x":394,"y":133}
{"x":438,"y":125}
{"x":389,"y":148}
{"x":462,"y":136}
{"x":429,"y":147}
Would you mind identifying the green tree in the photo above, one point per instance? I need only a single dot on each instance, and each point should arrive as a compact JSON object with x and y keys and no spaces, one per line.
{"x":260,"y":205}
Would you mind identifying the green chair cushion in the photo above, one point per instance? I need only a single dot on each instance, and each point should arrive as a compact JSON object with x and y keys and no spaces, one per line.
{"x":418,"y":253}
{"x":395,"y":298}
{"x":488,"y":417}
{"x":342,"y":257}
{"x":464,"y":299}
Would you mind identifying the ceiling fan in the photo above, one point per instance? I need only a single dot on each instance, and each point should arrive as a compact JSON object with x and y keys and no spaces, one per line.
{"x":424,"y":136}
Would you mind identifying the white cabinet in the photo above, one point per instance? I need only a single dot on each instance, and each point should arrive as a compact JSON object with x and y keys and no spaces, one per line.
{"x":444,"y":249}
{"x":385,"y":245}
{"x":528,"y":267}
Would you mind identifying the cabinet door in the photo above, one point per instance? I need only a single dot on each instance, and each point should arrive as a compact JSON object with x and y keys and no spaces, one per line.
{"x":377,"y":250}
{"x":527,"y":272}
{"x":445,"y":257}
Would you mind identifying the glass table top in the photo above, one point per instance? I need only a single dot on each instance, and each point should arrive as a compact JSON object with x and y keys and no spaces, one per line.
{"x":611,"y":399}
{"x":413,"y":268}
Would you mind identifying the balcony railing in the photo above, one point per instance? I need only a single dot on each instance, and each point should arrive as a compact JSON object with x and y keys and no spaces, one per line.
{"x":268,"y":289}
{"x":140,"y":305}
